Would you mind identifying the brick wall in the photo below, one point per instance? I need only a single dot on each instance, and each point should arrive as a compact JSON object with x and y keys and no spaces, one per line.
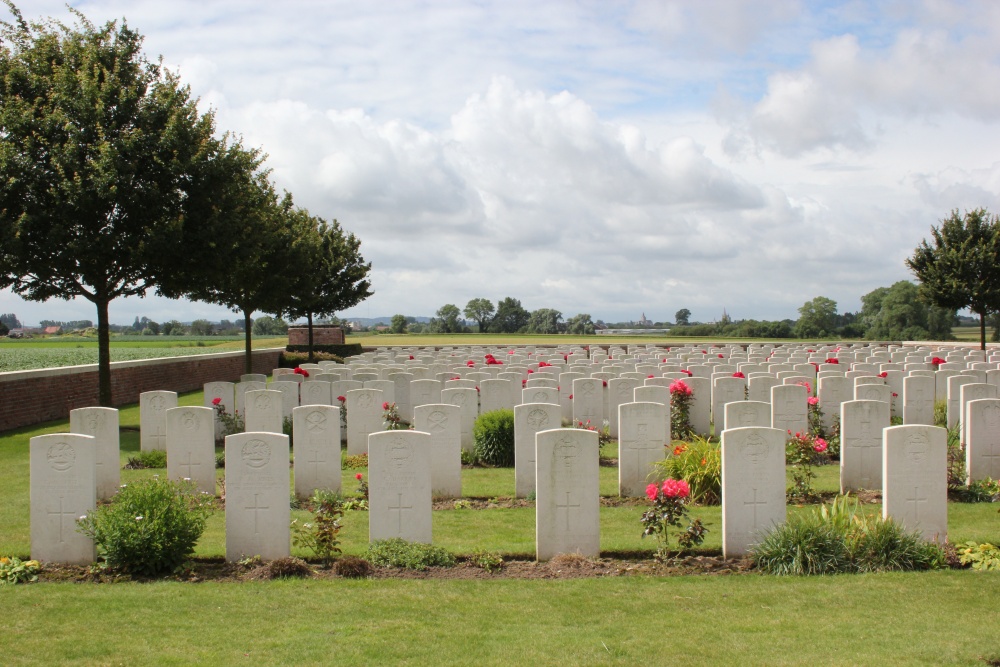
{"x":31,"y":397}
{"x":323,"y":334}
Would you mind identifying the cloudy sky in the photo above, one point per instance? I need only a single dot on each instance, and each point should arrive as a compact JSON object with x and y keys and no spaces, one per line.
{"x":613,"y":158}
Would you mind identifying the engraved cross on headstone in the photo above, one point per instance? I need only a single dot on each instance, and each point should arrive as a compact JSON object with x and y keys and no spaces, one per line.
{"x":61,"y":517}
{"x":642,"y":443}
{"x":257,"y":508}
{"x":567,"y":506}
{"x":753,"y":503}
{"x":916,"y":500}
{"x":188,"y":464}
{"x":400,"y":508}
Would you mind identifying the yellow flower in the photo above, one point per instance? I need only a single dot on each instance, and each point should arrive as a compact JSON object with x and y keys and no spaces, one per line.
{"x":4,"y":560}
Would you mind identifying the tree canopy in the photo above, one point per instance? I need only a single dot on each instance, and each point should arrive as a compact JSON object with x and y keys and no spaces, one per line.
{"x":817,"y":318}
{"x":511,"y":317}
{"x":898,"y":313}
{"x":479,"y":310}
{"x":960,"y":267}
{"x":101,"y":153}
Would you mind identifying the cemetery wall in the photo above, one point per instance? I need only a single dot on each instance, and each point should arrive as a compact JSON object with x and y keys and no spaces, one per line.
{"x":322,"y":335}
{"x":31,"y":397}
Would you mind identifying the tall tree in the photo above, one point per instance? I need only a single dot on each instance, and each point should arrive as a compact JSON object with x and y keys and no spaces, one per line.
{"x":334,"y":278}
{"x":398,"y":324}
{"x":511,"y":317}
{"x":897,"y":313}
{"x":682,"y":316}
{"x":544,"y":321}
{"x":99,"y":151}
{"x":447,"y":319}
{"x":817,"y":318}
{"x":960,"y":267}
{"x":480,"y":310}
{"x":580,"y":324}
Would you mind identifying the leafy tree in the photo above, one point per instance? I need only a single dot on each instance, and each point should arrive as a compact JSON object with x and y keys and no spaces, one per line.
{"x":960,"y":267}
{"x":580,"y":324}
{"x":4,"y":330}
{"x":682,"y":316}
{"x":817,"y":318}
{"x":173,"y":328}
{"x":335,"y":277}
{"x":447,"y":319}
{"x":10,"y":320}
{"x":269,"y":326}
{"x":544,"y":321}
{"x":511,"y":317}
{"x":897,"y":313}
{"x":479,"y":310}
{"x":99,"y":153}
{"x":202,"y":328}
{"x":398,"y":325}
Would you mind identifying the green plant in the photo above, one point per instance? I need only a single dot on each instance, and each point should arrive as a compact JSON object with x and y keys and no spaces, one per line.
{"x":802,"y":452}
{"x":468,"y":458}
{"x":603,"y":432}
{"x":397,"y":552}
{"x":352,"y":567}
{"x":150,"y":527}
{"x":984,"y":556}
{"x":322,"y":535}
{"x":220,"y":460}
{"x":669,"y":509}
{"x":956,"y":458}
{"x":287,"y":429}
{"x":231,"y":423}
{"x":491,"y":561}
{"x":840,"y":537}
{"x":463,"y":505}
{"x":13,"y":570}
{"x":323,"y":496}
{"x":699,"y":463}
{"x":980,"y":491}
{"x":391,"y":421}
{"x":681,"y":396}
{"x":362,"y":485}
{"x":154,"y":458}
{"x":941,"y":413}
{"x":356,"y":461}
{"x":493,"y":434}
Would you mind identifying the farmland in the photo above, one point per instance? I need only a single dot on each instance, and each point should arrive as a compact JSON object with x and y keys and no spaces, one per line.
{"x":33,"y":353}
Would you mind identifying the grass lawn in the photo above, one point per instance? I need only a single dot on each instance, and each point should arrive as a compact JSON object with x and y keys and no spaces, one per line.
{"x":914,"y":618}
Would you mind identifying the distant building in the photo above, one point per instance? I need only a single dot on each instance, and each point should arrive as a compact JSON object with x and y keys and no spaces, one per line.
{"x":644,"y":322}
{"x":52,"y":331}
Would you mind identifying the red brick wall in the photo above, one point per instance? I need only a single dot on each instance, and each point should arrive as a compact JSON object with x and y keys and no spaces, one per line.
{"x":322,"y":335}
{"x":31,"y":397}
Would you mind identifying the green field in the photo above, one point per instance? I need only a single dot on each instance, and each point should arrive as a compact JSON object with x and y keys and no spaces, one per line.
{"x":57,"y":351}
{"x":900,"y":619}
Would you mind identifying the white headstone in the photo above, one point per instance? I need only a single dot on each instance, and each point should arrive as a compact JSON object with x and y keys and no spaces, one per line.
{"x":257,"y":492}
{"x":191,"y":446}
{"x":982,"y":432}
{"x":588,"y":401}
{"x":642,"y":441}
{"x":317,"y":392}
{"x":529,"y":420}
{"x":399,"y":501}
{"x":495,"y":395}
{"x":789,"y":410}
{"x":153,"y":406}
{"x":918,"y":400}
{"x":753,"y":486}
{"x":620,"y":391}
{"x":726,"y":390}
{"x":102,"y":424}
{"x":63,"y":488}
{"x":567,"y":514}
{"x":264,"y":411}
{"x":746,"y":414}
{"x":444,"y":424}
{"x":316,"y":432}
{"x":915,"y":486}
{"x":364,"y":417}
{"x":226,"y":393}
{"x":467,"y":401}
{"x":861,"y":426}
{"x":289,"y":396}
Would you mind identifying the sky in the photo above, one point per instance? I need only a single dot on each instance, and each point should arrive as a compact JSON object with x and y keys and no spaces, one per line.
{"x":609,"y":158}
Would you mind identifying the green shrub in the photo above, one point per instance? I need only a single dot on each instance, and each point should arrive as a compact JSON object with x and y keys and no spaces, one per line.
{"x":154,"y":458}
{"x":840,"y":538}
{"x":491,"y":561}
{"x":396,"y":552}
{"x":981,"y":556}
{"x":493,"y":434}
{"x":150,"y":527}
{"x":699,"y":463}
{"x":295,"y":355}
{"x":979,"y":491}
{"x":13,"y":570}
{"x":941,"y":413}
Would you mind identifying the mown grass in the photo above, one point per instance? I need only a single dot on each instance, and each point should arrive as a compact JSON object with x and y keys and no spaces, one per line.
{"x":940,"y":618}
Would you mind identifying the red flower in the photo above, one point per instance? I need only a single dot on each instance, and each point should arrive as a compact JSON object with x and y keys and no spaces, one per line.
{"x":820,"y":445}
{"x":530,"y":371}
{"x":358,"y":476}
{"x":650,"y":376}
{"x":704,"y":351}
{"x":341,"y":399}
{"x":301,"y":371}
{"x":679,"y":449}
{"x":678,"y":387}
{"x":894,"y":394}
{"x":524,"y":383}
{"x":721,"y":356}
{"x":477,"y":389}
{"x":543,"y":364}
{"x":605,"y":382}
{"x":937,"y":361}
{"x":812,"y":400}
{"x":216,"y":400}
{"x":385,"y":406}
{"x":510,"y":351}
{"x":411,"y":356}
{"x":832,"y":360}
{"x":571,"y":397}
{"x":676,"y":488}
{"x":738,"y":374}
{"x":815,"y":365}
{"x":883,"y":374}
{"x":687,"y":372}
{"x":652,"y":491}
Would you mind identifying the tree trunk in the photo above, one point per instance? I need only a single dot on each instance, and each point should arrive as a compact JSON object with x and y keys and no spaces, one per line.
{"x":309,"y":320}
{"x":248,"y":356}
{"x":103,"y":355}
{"x":982,"y":330}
